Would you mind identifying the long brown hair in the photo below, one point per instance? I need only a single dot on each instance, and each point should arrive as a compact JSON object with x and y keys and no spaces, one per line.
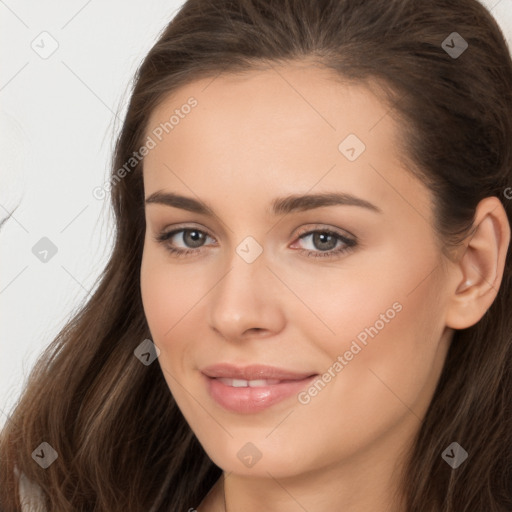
{"x":122,"y":442}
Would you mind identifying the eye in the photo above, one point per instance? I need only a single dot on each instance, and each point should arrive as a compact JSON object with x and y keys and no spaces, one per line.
{"x":192,"y":238}
{"x":326,"y":243}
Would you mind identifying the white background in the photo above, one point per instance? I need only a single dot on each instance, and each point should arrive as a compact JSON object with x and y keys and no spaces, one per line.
{"x":59,"y":117}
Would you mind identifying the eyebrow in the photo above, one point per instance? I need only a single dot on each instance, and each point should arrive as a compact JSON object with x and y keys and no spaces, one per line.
{"x":279,"y":206}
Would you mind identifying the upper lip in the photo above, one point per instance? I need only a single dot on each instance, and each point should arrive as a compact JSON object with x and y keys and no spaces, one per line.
{"x":253,"y":372}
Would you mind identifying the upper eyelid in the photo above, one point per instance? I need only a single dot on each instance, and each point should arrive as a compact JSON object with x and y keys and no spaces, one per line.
{"x":322,"y":227}
{"x":178,"y":229}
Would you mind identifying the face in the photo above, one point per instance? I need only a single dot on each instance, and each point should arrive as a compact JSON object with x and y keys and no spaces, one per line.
{"x":342,"y":292}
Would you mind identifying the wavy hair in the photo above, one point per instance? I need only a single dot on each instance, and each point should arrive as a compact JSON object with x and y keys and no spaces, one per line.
{"x":122,"y":442}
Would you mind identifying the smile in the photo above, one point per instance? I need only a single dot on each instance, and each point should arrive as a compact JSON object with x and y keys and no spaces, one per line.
{"x":252,"y":396}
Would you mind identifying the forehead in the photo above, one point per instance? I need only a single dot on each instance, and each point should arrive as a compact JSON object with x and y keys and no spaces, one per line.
{"x":293,"y":96}
{"x":283,"y":127}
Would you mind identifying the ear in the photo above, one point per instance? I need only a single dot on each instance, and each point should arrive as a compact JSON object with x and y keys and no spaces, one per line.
{"x":478,"y":273}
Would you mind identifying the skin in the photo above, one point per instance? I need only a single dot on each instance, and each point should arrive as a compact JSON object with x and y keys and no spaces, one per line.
{"x":272,"y":133}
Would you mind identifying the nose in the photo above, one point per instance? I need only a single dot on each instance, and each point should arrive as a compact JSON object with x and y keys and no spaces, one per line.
{"x":246,"y":302}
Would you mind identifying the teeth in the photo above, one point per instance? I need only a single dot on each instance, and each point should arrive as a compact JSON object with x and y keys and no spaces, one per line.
{"x":240,"y":383}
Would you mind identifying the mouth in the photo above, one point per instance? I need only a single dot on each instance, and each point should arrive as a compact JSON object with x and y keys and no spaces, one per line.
{"x":253,"y":388}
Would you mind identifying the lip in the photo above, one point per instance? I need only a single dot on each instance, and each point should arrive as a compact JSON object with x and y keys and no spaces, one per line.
{"x":253,"y":399}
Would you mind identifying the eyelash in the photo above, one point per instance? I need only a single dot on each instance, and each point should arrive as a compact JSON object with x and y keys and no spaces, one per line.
{"x":350,"y":244}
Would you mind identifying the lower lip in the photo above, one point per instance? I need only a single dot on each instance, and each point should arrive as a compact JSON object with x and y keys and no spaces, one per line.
{"x":248,"y":400}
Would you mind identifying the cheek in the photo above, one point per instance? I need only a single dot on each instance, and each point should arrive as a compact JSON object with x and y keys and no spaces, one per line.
{"x":157,"y":297}
{"x":165,"y":296}
{"x":379,"y":383}
{"x":390,"y":360}
{"x":173,"y":298}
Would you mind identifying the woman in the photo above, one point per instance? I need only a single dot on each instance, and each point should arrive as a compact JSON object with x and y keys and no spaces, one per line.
{"x":308,"y":302}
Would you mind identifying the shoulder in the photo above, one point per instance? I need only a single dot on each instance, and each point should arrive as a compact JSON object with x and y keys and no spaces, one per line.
{"x":31,"y":495}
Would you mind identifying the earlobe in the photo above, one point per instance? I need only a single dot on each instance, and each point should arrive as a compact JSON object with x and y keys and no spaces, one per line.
{"x":481,"y":265}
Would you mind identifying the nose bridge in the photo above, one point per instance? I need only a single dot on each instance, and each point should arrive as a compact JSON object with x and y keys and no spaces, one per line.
{"x":243,"y":298}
